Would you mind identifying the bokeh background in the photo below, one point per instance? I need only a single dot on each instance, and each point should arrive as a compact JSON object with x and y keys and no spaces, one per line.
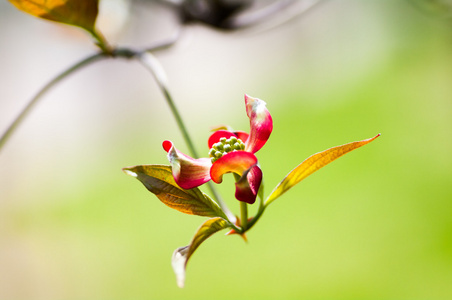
{"x":376,"y":224}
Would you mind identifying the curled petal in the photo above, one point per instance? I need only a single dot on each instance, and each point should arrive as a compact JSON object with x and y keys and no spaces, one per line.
{"x":261,"y":124}
{"x":217,"y":135}
{"x":188,"y":172}
{"x":247,"y":187}
{"x":237,"y":162}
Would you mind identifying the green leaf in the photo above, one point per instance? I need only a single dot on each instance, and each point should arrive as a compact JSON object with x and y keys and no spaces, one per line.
{"x":182,"y":255}
{"x":159,"y":180}
{"x":81,"y":13}
{"x":312,"y":164}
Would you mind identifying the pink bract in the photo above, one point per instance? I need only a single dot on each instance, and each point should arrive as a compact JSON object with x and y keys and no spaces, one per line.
{"x":189,"y":172}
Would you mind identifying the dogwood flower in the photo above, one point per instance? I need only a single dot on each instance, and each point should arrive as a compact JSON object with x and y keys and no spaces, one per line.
{"x":230,"y":152}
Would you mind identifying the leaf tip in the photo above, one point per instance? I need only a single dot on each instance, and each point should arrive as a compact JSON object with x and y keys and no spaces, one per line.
{"x":128,"y":171}
{"x":179,"y":262}
{"x":373,"y":138}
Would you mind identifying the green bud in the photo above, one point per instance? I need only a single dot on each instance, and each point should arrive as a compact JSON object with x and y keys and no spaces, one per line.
{"x":225,"y":146}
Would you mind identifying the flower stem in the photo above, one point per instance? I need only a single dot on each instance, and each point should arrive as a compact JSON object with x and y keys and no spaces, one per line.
{"x":101,"y":42}
{"x":244,"y":215}
{"x":23,"y":114}
{"x":256,"y":217}
{"x":243,"y":209}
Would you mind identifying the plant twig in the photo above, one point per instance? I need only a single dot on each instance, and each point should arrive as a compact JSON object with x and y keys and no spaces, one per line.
{"x":27,"y":109}
{"x":152,"y":64}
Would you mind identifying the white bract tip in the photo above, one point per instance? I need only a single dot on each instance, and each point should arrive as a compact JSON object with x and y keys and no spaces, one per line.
{"x":131,"y":173}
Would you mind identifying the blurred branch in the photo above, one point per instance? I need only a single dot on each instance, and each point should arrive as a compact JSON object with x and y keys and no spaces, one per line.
{"x":151,"y":63}
{"x":273,"y":15}
{"x":119,"y":52}
{"x":24,"y":113}
{"x":233,"y":15}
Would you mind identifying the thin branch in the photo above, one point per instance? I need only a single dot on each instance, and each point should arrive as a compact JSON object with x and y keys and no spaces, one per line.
{"x":120,"y":52}
{"x":34,"y":101}
{"x":153,"y":65}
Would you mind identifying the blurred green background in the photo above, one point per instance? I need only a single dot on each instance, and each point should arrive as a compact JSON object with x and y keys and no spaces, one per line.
{"x":376,"y":224}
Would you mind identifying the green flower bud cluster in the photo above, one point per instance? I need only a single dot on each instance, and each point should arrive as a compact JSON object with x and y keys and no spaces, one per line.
{"x":225,"y":146}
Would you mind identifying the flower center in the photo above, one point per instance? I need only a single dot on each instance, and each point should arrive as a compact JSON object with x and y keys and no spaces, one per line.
{"x":225,"y":146}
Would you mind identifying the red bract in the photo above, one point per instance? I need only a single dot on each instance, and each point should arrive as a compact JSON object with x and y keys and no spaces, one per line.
{"x":230,"y":152}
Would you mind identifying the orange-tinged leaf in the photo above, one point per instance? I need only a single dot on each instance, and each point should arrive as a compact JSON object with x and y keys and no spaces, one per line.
{"x":182,"y":255}
{"x":81,"y":13}
{"x":159,"y":180}
{"x":312,"y":164}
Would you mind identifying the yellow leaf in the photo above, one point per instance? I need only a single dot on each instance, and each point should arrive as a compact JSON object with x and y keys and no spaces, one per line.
{"x":182,"y":255}
{"x":81,"y":13}
{"x":159,"y":180}
{"x":312,"y":164}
